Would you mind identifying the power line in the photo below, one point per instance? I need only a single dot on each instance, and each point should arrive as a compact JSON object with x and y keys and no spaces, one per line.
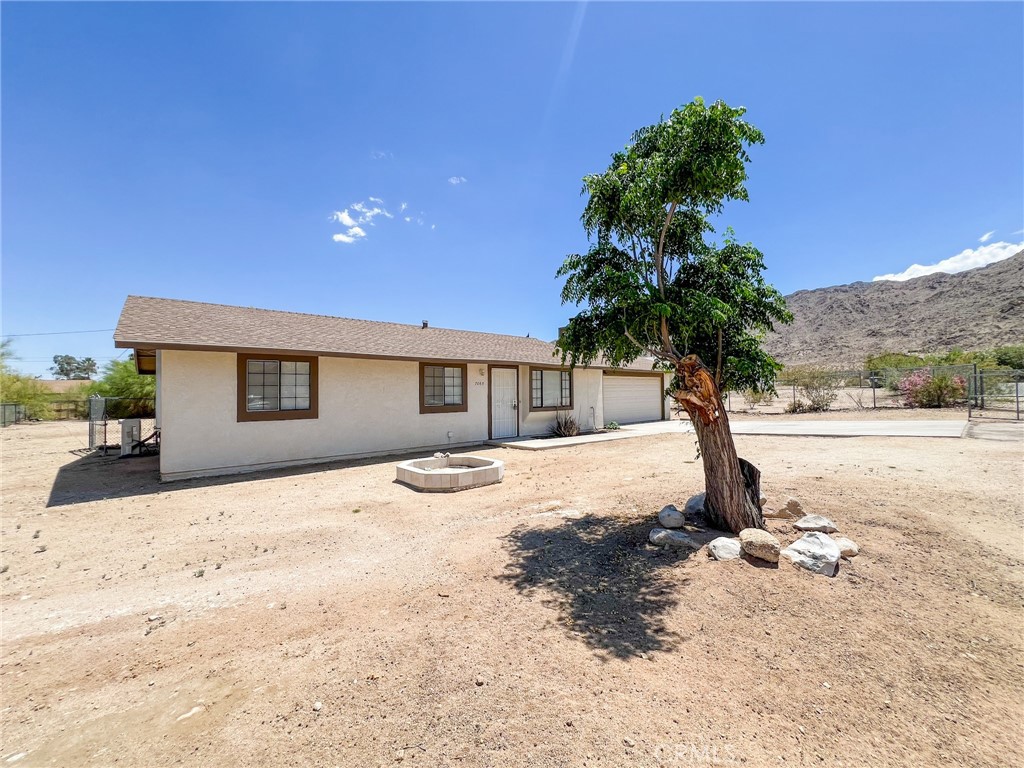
{"x":53,"y":333}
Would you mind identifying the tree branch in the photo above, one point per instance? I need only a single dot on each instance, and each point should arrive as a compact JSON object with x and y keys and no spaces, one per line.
{"x":718,"y":365}
{"x":649,"y":350}
{"x":660,"y":256}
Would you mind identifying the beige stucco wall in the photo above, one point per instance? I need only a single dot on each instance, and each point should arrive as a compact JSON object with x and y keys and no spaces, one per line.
{"x":367,"y":407}
{"x":586,"y":403}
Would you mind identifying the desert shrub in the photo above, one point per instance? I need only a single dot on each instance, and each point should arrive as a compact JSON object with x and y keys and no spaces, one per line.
{"x":612,"y":425}
{"x":892,"y":360}
{"x":565,"y":425}
{"x":755,"y":397}
{"x":1010,"y":356}
{"x":922,"y":390}
{"x":819,"y":385}
{"x":797,"y":406}
{"x":21,"y":389}
{"x":120,"y":380}
{"x":26,"y":391}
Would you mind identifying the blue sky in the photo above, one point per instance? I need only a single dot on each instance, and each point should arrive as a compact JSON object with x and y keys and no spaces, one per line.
{"x":200,"y":151}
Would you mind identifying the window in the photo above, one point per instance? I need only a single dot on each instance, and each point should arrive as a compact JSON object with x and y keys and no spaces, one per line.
{"x":278,"y":387}
{"x":550,"y":389}
{"x":442,"y":388}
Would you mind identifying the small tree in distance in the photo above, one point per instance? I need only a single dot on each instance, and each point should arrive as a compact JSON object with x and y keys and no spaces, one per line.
{"x":652,"y":285}
{"x":70,"y":367}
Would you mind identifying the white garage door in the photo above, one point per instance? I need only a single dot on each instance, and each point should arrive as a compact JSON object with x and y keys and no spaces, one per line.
{"x":629,"y":399}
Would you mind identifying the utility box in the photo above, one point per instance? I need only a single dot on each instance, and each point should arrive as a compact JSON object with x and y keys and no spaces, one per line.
{"x":131,"y":433}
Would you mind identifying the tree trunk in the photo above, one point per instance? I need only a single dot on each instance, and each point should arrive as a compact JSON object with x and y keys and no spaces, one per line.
{"x":733,"y":485}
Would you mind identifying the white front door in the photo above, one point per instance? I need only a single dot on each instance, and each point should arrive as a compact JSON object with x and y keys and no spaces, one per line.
{"x":504,"y":402}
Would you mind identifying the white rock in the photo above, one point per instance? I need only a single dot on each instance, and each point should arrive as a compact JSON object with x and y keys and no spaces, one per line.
{"x":816,"y":523}
{"x":695,"y":504}
{"x":724,"y":548}
{"x":760,"y":544}
{"x":775,"y":514}
{"x":816,"y":552}
{"x":665,"y":538}
{"x":670,"y":517}
{"x":847,"y":548}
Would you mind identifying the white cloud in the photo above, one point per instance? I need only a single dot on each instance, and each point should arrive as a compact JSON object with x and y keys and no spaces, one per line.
{"x":456,"y":179}
{"x":1019,"y":232}
{"x":986,"y":237}
{"x":433,"y":226}
{"x":343,"y":218}
{"x":969,"y":258}
{"x":358,"y":215}
{"x":380,"y":154}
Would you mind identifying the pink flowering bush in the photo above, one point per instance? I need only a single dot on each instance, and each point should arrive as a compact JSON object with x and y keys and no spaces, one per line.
{"x":922,"y":390}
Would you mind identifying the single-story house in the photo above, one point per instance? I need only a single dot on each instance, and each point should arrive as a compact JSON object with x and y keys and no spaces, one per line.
{"x":242,"y":389}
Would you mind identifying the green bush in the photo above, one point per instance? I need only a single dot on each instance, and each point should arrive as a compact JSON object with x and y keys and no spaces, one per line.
{"x":1010,"y":357}
{"x":26,"y":391}
{"x":819,"y":384}
{"x":755,"y":397}
{"x":922,"y":390}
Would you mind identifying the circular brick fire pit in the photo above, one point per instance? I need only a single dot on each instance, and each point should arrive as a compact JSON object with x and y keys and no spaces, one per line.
{"x":450,"y":473}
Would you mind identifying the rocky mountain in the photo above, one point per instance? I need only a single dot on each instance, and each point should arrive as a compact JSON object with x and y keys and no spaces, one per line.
{"x":845,"y":324}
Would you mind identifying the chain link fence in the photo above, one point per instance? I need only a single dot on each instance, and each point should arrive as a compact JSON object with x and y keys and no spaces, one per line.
{"x":983,"y":393}
{"x":106,"y":413}
{"x":997,"y":395}
{"x":11,"y":413}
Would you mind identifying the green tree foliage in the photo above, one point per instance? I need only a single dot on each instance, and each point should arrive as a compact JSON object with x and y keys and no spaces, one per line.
{"x":121,"y":380}
{"x":23,"y":390}
{"x":70,"y":367}
{"x":652,"y":284}
{"x":892,"y":360}
{"x":1010,"y":356}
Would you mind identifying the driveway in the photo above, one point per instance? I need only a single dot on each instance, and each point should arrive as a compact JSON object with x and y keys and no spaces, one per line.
{"x":805,"y":428}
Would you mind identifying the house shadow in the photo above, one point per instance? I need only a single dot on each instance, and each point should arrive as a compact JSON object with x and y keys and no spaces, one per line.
{"x":610,"y":588}
{"x":94,"y":477}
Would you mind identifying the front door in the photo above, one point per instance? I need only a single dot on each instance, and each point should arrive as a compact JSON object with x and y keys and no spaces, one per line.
{"x":504,"y":402}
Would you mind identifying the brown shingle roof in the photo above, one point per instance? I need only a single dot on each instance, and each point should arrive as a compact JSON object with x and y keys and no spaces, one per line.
{"x":151,"y":323}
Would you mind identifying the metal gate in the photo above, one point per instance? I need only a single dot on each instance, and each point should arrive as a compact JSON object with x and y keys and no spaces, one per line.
{"x":104,"y":416}
{"x":997,"y":395}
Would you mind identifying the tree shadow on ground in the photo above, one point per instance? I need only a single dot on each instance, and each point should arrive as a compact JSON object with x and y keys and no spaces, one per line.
{"x":610,"y":587}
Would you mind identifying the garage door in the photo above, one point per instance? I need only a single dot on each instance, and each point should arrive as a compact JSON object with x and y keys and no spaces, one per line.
{"x":629,"y":399}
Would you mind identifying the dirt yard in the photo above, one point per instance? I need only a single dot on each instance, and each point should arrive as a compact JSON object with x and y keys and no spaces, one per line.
{"x":331,"y":617}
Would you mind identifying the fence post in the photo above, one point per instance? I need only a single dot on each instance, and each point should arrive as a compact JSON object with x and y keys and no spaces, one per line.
{"x":1016,"y":396}
{"x":981,"y":385}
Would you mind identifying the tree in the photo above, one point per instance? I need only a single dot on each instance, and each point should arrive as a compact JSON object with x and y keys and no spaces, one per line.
{"x":121,"y":380}
{"x":70,"y":367}
{"x":652,"y":285}
{"x":21,"y":389}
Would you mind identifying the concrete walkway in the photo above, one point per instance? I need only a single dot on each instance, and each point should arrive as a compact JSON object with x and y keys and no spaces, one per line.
{"x":888,"y":428}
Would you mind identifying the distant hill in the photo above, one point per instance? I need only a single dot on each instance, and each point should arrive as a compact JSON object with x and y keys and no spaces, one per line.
{"x":845,"y":324}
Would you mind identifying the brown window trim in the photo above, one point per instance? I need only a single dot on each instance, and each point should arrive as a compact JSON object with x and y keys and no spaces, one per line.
{"x":572,"y":389}
{"x":314,"y":389}
{"x":424,"y":408}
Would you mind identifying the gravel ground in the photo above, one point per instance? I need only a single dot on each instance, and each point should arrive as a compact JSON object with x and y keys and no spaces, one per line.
{"x":330,"y":616}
